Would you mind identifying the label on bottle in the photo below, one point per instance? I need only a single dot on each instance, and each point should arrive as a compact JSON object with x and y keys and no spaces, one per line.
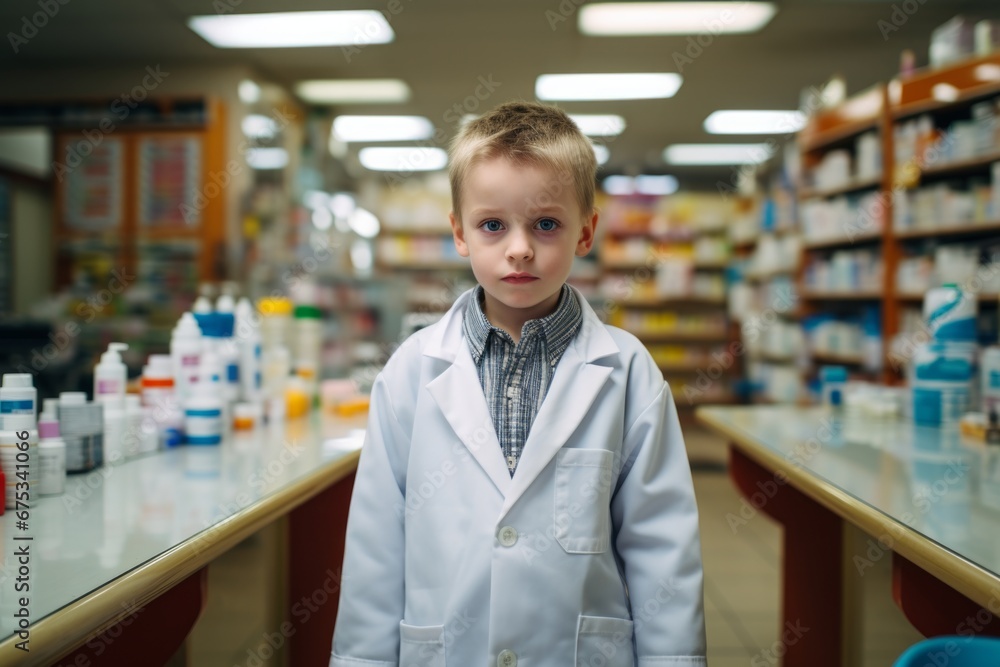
{"x":17,"y":407}
{"x":108,"y":386}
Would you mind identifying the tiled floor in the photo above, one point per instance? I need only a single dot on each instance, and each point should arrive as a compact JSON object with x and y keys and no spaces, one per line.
{"x":742,"y":569}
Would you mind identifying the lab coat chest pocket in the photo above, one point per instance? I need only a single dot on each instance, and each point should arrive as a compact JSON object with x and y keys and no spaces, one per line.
{"x":582,"y":513}
{"x":421,"y":646}
{"x":604,"y":641}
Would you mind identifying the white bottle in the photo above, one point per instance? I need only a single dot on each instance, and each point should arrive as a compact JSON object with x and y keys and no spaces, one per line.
{"x":186,"y":347}
{"x":51,"y":451}
{"x":227,"y":348}
{"x":18,"y":395}
{"x":132,"y":435}
{"x":19,"y":458}
{"x":114,"y":429}
{"x":276,"y":366}
{"x":204,"y":410}
{"x":110,"y":375}
{"x":157,"y":380}
{"x":247,"y":336}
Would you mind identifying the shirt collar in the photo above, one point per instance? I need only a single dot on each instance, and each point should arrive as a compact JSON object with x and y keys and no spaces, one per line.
{"x":558,"y":327}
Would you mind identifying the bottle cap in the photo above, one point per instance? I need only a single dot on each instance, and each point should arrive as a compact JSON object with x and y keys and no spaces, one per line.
{"x":113,"y":354}
{"x":225,"y":304}
{"x":160,"y":365}
{"x":72,"y":398}
{"x":202,"y":305}
{"x":17,"y":380}
{"x":308,"y":312}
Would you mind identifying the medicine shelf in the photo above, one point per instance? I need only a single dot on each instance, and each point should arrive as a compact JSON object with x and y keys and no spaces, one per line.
{"x":841,"y":296}
{"x":837,"y":135}
{"x":918,"y":297}
{"x":843,"y":241}
{"x":825,"y":357}
{"x":712,"y":266}
{"x":705,"y":338}
{"x":951,"y":231}
{"x":916,"y":94}
{"x":775,"y":358}
{"x":672,"y":300}
{"x":417,"y":231}
{"x":424,"y":266}
{"x":690,"y":368}
{"x":847,"y":188}
{"x":958,"y":167}
{"x":764,"y":276}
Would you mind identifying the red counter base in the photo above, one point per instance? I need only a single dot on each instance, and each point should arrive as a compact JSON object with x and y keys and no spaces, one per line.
{"x":316,"y":553}
{"x":935,"y":609}
{"x":812,"y":576}
{"x":155,"y":631}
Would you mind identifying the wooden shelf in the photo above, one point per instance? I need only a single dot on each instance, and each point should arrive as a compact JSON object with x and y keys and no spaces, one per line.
{"x":691,"y":368}
{"x":630,"y":266}
{"x":972,"y":164}
{"x":834,"y":358}
{"x":950,"y":231}
{"x":838,"y":134}
{"x":916,"y":92}
{"x":706,"y":338}
{"x":853,"y":186}
{"x":776,"y":358}
{"x":417,"y":231}
{"x":711,"y":266}
{"x":424,"y":266}
{"x":986,"y":297}
{"x":842,"y":241}
{"x":764,"y":276}
{"x":667,"y":237}
{"x":667,"y":301}
{"x":841,"y":296}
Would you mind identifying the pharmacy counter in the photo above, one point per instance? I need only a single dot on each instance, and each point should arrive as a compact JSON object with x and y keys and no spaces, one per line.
{"x":924,"y":498}
{"x":116,"y":566}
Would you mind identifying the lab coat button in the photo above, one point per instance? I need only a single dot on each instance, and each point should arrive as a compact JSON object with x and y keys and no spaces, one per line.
{"x":507,"y":658}
{"x":508,"y":538}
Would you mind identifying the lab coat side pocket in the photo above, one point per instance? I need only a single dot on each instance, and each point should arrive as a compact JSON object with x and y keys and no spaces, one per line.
{"x":582,"y":512}
{"x":421,"y":645}
{"x":604,"y":641}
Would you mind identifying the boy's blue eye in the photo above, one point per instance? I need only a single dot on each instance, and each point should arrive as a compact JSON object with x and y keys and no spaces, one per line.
{"x":492,"y":225}
{"x":547,"y":224}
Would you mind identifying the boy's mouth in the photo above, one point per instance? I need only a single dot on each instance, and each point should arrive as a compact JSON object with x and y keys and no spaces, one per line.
{"x":518,"y":278}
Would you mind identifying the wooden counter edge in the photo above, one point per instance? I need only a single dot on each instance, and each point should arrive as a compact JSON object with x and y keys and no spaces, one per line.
{"x":969,"y":579}
{"x":80,"y":621}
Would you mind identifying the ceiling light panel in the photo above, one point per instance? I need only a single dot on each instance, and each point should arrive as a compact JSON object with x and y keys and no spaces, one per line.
{"x":717,"y":154}
{"x":736,"y":121}
{"x":403,"y":158}
{"x":630,"y":86}
{"x":293,"y":29}
{"x":673,"y":18}
{"x":599,"y":125}
{"x":353,"y":91}
{"x":382,"y":128}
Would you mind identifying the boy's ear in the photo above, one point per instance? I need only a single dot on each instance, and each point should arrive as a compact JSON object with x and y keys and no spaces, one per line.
{"x":458,"y":234}
{"x":586,"y":241}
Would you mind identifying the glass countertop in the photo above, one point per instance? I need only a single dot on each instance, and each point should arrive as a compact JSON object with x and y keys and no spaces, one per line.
{"x":929,"y":479}
{"x":116,"y":518}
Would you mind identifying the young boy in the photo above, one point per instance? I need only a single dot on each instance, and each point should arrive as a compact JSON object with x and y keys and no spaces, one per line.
{"x":523,"y":496}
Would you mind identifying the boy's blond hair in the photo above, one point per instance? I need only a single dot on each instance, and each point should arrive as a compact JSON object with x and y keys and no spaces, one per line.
{"x":526,"y":133}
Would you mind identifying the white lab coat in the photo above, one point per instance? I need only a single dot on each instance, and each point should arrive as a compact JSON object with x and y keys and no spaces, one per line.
{"x":588,"y":556}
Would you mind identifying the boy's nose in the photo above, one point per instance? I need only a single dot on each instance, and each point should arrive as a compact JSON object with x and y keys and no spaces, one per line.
{"x":519,"y":248}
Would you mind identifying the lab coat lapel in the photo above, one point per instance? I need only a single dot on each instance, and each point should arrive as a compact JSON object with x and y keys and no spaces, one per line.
{"x":460,"y":397}
{"x":575,"y":386}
